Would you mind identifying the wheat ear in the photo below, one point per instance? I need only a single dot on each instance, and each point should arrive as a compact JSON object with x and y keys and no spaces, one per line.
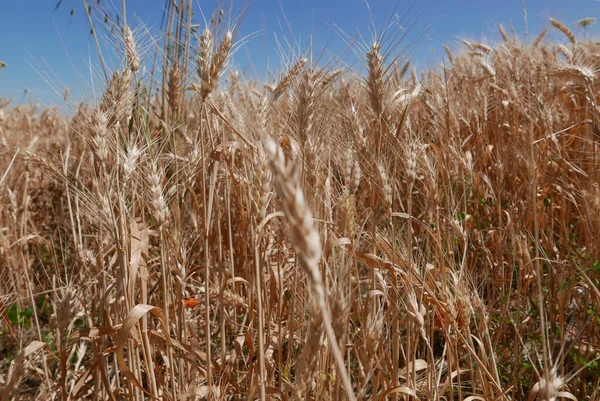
{"x":288,"y":78}
{"x":133,"y":59}
{"x":307,"y":244}
{"x":563,"y":28}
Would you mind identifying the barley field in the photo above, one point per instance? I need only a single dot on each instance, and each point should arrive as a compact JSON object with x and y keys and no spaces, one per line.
{"x":333,"y":233}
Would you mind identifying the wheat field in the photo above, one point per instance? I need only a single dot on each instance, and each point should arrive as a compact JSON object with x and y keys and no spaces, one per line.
{"x":333,"y":233}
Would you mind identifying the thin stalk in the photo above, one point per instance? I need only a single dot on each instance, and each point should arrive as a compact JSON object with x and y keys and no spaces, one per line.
{"x":87,"y":12}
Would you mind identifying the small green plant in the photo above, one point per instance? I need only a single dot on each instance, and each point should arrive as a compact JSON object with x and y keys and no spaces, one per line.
{"x":593,"y":366}
{"x":20,"y":317}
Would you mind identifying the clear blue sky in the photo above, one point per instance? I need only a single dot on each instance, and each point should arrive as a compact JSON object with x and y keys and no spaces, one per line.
{"x":36,"y":40}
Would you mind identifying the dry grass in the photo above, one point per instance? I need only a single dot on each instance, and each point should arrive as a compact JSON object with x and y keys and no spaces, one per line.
{"x":329,"y":236}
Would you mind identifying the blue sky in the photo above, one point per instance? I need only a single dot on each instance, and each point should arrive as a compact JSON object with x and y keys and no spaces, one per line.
{"x":47,"y":51}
